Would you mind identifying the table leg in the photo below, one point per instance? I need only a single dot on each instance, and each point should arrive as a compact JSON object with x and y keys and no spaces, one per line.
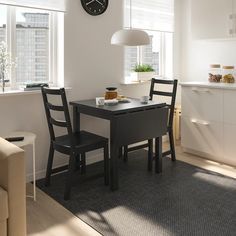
{"x":34,"y":172}
{"x":114,"y":158}
{"x":158,"y":153}
{"x":76,"y":119}
{"x":150,"y":154}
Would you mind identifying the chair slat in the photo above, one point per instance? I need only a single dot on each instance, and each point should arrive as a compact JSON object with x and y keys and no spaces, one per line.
{"x":167,"y":153}
{"x":54,"y":107}
{"x":58,"y":122}
{"x":160,"y":81}
{"x":160,"y":93}
{"x":52,"y":91}
{"x":131,"y":149}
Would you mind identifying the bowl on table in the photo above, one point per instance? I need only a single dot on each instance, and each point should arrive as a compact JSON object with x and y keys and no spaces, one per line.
{"x":111,"y":102}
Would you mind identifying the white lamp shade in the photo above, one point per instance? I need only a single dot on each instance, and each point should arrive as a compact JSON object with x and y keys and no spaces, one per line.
{"x":130,"y":37}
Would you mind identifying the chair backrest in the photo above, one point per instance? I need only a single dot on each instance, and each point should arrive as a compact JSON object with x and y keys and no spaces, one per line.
{"x":60,"y":108}
{"x":171,"y":94}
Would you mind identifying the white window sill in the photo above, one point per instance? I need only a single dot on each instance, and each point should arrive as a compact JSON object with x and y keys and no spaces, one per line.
{"x":19,"y":92}
{"x":128,"y":80}
{"x":135,"y":82}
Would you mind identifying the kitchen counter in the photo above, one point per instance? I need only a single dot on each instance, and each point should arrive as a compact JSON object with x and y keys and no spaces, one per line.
{"x":209,"y":85}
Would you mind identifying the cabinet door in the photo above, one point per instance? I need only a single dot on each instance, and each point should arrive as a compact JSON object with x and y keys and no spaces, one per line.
{"x":211,"y":19}
{"x":229,"y":107}
{"x":202,"y":103}
{"x":204,"y":137}
{"x":230,"y":127}
{"x":233,"y":19}
{"x":229,"y":144}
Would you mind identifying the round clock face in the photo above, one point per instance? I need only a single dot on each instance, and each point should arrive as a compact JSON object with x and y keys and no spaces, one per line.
{"x":95,"y":7}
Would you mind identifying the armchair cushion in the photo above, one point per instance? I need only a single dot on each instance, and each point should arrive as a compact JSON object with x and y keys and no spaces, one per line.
{"x":3,"y":205}
{"x":12,"y":180}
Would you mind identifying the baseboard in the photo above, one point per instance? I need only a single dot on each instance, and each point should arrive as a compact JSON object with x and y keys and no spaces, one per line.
{"x":207,"y":156}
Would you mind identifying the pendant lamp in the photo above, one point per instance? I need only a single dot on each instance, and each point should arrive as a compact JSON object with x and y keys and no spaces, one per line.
{"x":130,"y":37}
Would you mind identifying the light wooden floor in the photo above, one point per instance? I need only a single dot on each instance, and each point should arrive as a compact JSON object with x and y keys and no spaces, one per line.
{"x":48,"y":218}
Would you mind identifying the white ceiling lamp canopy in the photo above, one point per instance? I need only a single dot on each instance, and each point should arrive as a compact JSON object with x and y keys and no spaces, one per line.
{"x":130,"y":37}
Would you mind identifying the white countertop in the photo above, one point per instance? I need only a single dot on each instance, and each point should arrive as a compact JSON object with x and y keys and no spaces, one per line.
{"x":209,"y":85}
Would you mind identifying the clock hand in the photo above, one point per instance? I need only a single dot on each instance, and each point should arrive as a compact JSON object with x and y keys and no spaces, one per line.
{"x":90,"y":2}
{"x":99,"y":2}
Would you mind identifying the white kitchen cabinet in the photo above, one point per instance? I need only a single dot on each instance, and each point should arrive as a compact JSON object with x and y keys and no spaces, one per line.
{"x":233,"y":18}
{"x":229,"y":107}
{"x":213,"y":19}
{"x":229,"y":136}
{"x":208,"y":124}
{"x":229,"y":144}
{"x":206,"y":102}
{"x":205,"y":137}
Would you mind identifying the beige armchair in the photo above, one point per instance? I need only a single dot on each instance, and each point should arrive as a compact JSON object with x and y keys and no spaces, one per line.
{"x":12,"y":190}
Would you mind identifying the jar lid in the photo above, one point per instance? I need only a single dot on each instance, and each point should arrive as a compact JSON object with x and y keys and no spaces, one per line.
{"x":111,"y":88}
{"x":215,"y":66}
{"x":228,"y":67}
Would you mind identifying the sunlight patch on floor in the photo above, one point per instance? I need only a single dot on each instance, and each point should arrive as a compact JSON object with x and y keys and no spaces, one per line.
{"x":209,"y":178}
{"x":121,"y":211}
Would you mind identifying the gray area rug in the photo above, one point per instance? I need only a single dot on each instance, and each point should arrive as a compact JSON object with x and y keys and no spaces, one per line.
{"x":183,"y":200}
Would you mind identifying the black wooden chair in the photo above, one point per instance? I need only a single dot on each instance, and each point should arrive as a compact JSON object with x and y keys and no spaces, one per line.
{"x":73,"y":144}
{"x":172,"y":95}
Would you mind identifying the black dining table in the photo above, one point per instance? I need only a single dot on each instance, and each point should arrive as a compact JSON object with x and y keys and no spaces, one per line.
{"x":129,"y":123}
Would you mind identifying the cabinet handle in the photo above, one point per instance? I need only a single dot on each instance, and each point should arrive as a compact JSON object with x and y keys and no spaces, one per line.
{"x":197,"y":122}
{"x":200,"y":90}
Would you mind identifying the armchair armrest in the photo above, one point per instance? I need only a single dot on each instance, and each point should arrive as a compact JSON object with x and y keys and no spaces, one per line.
{"x":12,"y":180}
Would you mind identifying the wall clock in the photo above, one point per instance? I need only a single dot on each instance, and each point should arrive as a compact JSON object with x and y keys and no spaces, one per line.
{"x":95,"y":7}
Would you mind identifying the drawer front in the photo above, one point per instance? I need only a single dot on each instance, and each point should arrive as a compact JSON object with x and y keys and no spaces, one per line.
{"x":202,"y":136}
{"x":230,"y":144}
{"x":202,"y":103}
{"x":230,"y":107}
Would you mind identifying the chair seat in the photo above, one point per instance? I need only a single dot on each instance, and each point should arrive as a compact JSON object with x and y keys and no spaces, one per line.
{"x":83,"y":140}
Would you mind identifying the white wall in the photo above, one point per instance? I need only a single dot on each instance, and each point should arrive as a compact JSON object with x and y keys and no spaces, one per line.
{"x":25,"y":112}
{"x":91,"y":64}
{"x":197,"y":55}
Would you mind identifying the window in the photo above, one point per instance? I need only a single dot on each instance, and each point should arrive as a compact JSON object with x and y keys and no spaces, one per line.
{"x":156,"y":17}
{"x":32,"y":37}
{"x":32,"y":45}
{"x":149,"y":54}
{"x":3,"y":19}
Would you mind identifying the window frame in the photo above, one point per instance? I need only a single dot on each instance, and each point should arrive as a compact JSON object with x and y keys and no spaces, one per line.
{"x":162,"y":53}
{"x":54,"y":19}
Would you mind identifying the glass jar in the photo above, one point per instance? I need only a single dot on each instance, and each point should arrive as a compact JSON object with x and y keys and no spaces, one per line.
{"x":215,"y":73}
{"x":111,"y":93}
{"x":228,"y":74}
